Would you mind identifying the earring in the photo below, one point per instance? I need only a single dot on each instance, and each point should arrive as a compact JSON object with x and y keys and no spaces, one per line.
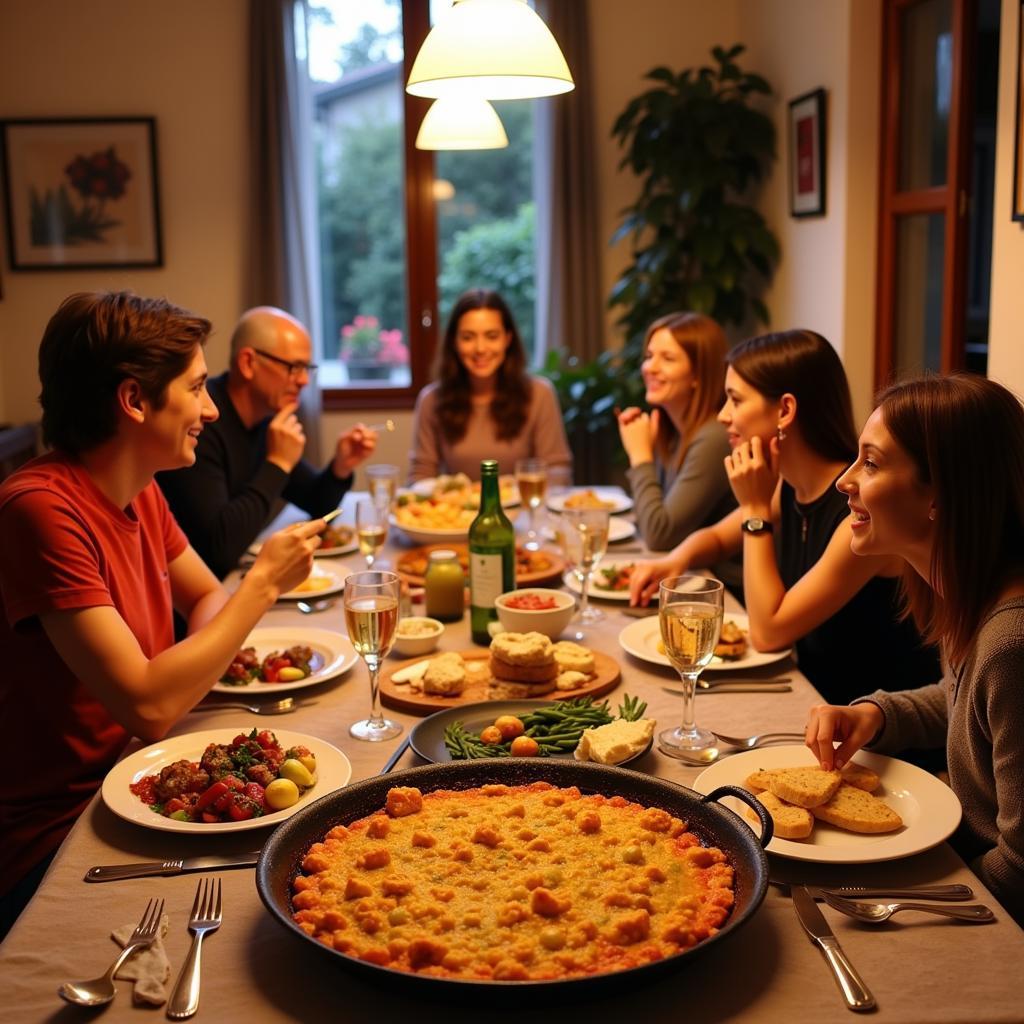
{"x":780,"y":434}
{"x":931,"y":515}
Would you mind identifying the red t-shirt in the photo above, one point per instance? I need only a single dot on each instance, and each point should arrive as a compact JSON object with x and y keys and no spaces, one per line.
{"x":63,"y":546}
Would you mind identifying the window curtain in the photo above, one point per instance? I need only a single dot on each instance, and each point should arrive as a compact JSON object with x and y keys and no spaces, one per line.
{"x":570,"y":305}
{"x":283,"y":245}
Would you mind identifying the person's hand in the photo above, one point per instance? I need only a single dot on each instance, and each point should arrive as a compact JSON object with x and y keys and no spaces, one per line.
{"x":286,"y":558}
{"x":286,"y":440}
{"x":354,"y":446}
{"x":851,"y":727}
{"x":753,"y":475}
{"x":638,"y":431}
{"x":646,"y":578}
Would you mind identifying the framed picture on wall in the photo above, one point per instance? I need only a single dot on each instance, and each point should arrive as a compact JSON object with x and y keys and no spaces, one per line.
{"x":81,"y":193}
{"x":1018,"y":135}
{"x":807,"y":154}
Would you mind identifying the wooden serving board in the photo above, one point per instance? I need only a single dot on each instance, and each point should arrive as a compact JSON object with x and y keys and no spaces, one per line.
{"x":402,"y":697}
{"x":523,"y":579}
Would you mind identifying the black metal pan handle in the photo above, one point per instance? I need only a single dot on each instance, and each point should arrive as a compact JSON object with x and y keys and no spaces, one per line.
{"x":767,"y":825}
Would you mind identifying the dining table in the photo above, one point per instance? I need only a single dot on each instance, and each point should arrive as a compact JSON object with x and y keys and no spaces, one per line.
{"x":919,"y":967}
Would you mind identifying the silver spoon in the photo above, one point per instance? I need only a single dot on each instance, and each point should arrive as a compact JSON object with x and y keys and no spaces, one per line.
{"x":277,"y":707}
{"x":876,"y":913}
{"x":696,"y":758}
{"x":312,"y":607}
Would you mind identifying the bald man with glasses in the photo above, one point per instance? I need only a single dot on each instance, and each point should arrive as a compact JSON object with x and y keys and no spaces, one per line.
{"x":251,"y":457}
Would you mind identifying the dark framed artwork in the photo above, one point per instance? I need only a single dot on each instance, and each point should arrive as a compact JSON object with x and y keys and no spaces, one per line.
{"x":81,"y":193}
{"x":1018,"y":132}
{"x":807,"y":154}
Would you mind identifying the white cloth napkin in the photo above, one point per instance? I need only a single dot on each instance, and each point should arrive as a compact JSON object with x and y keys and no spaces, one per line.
{"x":148,"y":967}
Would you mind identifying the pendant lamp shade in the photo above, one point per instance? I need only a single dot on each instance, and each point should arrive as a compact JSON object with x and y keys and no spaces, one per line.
{"x":461,"y":122}
{"x":493,"y":49}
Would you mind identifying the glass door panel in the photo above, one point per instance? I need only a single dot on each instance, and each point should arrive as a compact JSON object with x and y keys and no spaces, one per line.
{"x":918,"y":293}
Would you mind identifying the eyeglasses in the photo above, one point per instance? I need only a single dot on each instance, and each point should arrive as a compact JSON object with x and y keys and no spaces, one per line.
{"x":294,"y":369}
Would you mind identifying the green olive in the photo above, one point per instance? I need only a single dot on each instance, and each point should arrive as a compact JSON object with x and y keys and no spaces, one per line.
{"x":281,"y":793}
{"x":297,"y":772}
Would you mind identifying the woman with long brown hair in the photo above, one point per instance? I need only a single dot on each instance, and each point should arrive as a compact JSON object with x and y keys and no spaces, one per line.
{"x":483,"y":403}
{"x":939,"y":482}
{"x":676,"y":451}
{"x":789,"y":420}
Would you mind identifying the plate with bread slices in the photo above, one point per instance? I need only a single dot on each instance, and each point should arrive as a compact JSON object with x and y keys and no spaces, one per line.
{"x":733,"y":652}
{"x":877,"y":808}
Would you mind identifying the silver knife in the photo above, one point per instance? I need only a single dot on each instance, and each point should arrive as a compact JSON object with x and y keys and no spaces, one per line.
{"x":117,"y":872}
{"x":857,"y":995}
{"x":945,"y":893}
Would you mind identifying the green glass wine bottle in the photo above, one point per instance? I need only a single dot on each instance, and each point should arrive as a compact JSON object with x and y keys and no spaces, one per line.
{"x":492,"y":554}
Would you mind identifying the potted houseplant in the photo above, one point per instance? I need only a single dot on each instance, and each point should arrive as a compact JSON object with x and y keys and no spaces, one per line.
{"x":369,"y":352}
{"x":698,"y":148}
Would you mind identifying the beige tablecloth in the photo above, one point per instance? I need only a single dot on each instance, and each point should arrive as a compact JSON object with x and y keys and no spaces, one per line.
{"x":919,"y":968}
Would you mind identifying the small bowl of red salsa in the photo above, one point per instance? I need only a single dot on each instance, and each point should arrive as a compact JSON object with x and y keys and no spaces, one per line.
{"x":536,"y":609}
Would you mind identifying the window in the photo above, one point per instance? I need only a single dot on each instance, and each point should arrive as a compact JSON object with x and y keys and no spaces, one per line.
{"x":403,"y":232}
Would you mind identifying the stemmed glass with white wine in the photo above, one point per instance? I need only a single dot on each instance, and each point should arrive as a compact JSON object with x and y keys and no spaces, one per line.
{"x":371,"y":615}
{"x":532,"y":481}
{"x":371,"y":528}
{"x":690,"y":616}
{"x":585,"y":540}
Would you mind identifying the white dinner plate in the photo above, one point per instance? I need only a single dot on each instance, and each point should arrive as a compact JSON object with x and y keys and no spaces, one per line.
{"x":319,"y":583}
{"x":641,"y":639}
{"x":333,"y":771}
{"x":342,"y":549}
{"x":618,"y":529}
{"x":332,"y":656}
{"x":570,"y":580}
{"x":619,"y":500}
{"x":928,"y":807}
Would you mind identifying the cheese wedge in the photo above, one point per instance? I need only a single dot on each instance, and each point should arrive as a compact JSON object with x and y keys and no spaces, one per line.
{"x":412,"y":673}
{"x":615,"y":742}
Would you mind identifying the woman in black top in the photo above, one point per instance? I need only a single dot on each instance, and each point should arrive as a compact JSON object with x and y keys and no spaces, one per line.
{"x":790,"y":424}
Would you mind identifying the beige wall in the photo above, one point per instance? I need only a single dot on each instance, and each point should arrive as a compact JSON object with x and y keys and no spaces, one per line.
{"x":1006,"y":351}
{"x":182,"y":62}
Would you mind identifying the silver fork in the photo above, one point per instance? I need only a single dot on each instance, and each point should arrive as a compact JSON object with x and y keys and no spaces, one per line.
{"x":276,"y":707}
{"x":877,"y":913}
{"x":206,"y":917}
{"x":750,"y":742}
{"x":101,"y":990}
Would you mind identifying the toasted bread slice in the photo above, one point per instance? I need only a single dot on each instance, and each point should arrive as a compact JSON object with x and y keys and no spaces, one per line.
{"x":856,"y":811}
{"x":861,"y":777}
{"x":791,"y":822}
{"x":757,"y":782}
{"x":805,"y":787}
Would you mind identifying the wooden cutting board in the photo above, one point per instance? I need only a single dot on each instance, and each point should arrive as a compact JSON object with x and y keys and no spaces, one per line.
{"x":401,"y":697}
{"x":420,"y":555}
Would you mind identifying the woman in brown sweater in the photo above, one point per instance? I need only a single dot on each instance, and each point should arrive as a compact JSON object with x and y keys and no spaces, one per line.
{"x":939,"y":481}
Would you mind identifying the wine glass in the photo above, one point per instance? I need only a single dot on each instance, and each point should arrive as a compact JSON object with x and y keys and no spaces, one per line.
{"x":371,"y":615}
{"x":585,"y":540}
{"x":690,"y":616}
{"x":382,"y":480}
{"x":371,"y":528}
{"x":532,"y":481}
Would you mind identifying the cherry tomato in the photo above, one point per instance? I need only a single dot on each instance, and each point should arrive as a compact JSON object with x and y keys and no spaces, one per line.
{"x":524,"y":746}
{"x":509,"y":726}
{"x":174,"y":804}
{"x":254,"y":791}
{"x":491,"y":735}
{"x":210,"y":819}
{"x":242,"y":808}
{"x":265,"y":738}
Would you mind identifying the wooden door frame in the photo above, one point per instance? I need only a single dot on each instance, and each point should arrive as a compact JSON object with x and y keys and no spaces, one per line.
{"x":950,"y":199}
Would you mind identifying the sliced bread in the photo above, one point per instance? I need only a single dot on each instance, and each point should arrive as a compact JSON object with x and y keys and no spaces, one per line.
{"x":790,"y":822}
{"x":805,"y":787}
{"x":861,"y":777}
{"x":757,"y":782}
{"x":856,"y":811}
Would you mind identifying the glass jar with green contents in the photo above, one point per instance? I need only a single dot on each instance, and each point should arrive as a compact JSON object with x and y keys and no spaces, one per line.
{"x":445,"y":586}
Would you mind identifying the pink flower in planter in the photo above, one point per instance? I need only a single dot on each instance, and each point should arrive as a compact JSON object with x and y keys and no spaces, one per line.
{"x":363,"y":340}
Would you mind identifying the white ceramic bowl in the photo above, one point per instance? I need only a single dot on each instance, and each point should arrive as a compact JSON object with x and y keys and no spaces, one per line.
{"x":549,"y":621}
{"x":421,"y":643}
{"x":423,"y":535}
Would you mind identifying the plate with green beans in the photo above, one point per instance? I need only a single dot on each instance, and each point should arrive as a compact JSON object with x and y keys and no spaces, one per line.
{"x":454,"y":734}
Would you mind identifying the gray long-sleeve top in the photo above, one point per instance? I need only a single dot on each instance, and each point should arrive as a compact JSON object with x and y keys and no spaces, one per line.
{"x":670,"y":504}
{"x":978,"y":713}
